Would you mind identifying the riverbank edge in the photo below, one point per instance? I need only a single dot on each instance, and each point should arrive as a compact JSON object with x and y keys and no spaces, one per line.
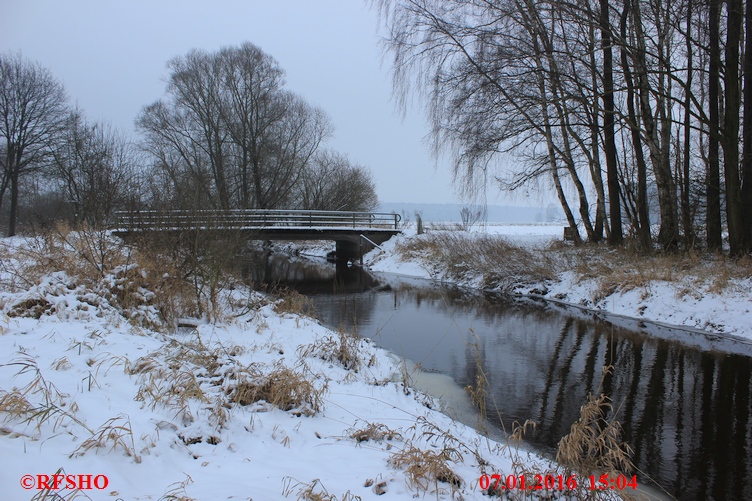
{"x":712,"y":321}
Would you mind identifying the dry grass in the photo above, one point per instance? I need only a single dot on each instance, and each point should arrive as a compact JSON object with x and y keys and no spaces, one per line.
{"x":343,"y":349}
{"x":282,"y":387}
{"x":170,"y":389}
{"x":623,"y":269}
{"x":293,"y":302}
{"x":496,"y":263}
{"x":181,"y":375}
{"x":593,"y":445}
{"x":115,"y":433}
{"x":429,"y":468}
{"x":426,"y":468}
{"x":31,"y":308}
{"x":14,"y":404}
{"x":175,"y":376}
{"x":61,"y":364}
{"x":171,"y":276}
{"x":374,"y":432}
{"x":479,"y":390}
{"x":313,"y":491}
{"x":87,"y":253}
{"x":18,"y":404}
{"x":61,"y":494}
{"x":176,"y":491}
{"x":500,"y":264}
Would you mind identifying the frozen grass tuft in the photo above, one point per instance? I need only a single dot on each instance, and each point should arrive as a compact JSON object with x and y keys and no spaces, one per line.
{"x":427,"y":468}
{"x":38,"y":401}
{"x":114,"y":434}
{"x":374,"y":432}
{"x":176,"y":491}
{"x":281,"y":387}
{"x":313,"y":491}
{"x":344,"y":349}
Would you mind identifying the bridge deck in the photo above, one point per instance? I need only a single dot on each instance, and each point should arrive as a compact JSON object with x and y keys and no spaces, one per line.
{"x":248,"y":219}
{"x":347,"y":229}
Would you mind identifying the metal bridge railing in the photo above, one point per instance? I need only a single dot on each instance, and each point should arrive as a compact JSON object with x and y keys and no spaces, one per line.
{"x":248,"y":219}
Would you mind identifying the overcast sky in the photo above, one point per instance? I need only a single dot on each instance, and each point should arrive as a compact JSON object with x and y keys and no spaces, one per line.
{"x":111,"y":56}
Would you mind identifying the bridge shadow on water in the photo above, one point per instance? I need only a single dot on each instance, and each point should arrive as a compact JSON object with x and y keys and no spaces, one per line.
{"x":684,"y":407}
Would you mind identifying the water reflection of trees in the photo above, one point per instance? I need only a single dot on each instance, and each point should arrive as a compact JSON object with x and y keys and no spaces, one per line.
{"x":685,"y":411}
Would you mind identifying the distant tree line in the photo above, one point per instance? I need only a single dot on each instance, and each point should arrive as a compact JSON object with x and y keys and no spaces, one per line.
{"x":226,"y":135}
{"x":613,"y":103}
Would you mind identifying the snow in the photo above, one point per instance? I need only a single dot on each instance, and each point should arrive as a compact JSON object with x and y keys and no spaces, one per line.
{"x":387,"y":260}
{"x":668,"y":303}
{"x":153,"y":411}
{"x":690,"y":302}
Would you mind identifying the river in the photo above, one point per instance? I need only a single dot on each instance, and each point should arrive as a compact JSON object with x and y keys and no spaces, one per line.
{"x":684,"y":400}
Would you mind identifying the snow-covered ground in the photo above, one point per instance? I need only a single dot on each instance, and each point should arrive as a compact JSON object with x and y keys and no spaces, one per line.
{"x":687,"y":301}
{"x":135,"y":413}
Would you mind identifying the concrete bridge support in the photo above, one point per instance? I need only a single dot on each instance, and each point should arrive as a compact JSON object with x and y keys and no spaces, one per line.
{"x":347,"y":250}
{"x":354,"y":247}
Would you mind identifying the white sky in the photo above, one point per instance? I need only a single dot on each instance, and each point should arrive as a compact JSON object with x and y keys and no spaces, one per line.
{"x":111,"y":56}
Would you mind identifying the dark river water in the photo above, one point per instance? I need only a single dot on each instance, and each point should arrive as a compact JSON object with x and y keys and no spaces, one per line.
{"x":683,"y":399}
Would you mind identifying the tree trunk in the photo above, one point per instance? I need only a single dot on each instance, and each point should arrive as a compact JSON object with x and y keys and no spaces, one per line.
{"x":669,"y":232}
{"x":540,"y":35}
{"x":713,"y":179}
{"x":616,"y":235}
{"x":689,"y":234}
{"x":563,"y":201}
{"x":13,"y":203}
{"x":746,"y":174}
{"x":730,"y":138}
{"x":643,"y":214}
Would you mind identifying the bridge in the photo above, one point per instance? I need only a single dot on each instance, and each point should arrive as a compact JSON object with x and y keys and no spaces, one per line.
{"x":353,"y":232}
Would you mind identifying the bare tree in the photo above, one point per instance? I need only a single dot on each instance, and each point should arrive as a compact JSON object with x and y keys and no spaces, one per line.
{"x":497,"y":80}
{"x":333,"y":183}
{"x":746,"y":167}
{"x":252,"y":111}
{"x":227,"y":117}
{"x":609,"y":109}
{"x":713,"y":179}
{"x":288,"y":151}
{"x":636,"y":192}
{"x":32,"y":112}
{"x":731,"y":119}
{"x":94,"y":166}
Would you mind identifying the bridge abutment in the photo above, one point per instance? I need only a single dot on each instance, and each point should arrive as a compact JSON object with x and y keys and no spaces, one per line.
{"x":346,"y":250}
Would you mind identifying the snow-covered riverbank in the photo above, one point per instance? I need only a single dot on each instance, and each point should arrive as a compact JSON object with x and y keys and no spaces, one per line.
{"x":704,"y":294}
{"x":261,"y":404}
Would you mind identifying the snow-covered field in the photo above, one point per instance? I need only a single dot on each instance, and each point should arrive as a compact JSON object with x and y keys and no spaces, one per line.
{"x":687,"y":301}
{"x":89,"y":392}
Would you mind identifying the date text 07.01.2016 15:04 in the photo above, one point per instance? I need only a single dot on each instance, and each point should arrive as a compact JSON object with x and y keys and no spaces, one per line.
{"x":496,"y":482}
